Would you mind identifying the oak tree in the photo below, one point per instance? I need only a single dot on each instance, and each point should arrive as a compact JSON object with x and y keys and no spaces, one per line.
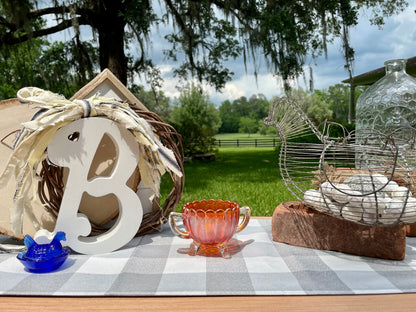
{"x":204,"y":33}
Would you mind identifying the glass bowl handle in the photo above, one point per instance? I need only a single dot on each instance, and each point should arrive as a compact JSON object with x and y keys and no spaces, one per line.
{"x":173,"y":216}
{"x":246,"y":211}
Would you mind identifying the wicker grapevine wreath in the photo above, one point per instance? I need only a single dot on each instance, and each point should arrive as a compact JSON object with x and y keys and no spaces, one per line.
{"x":51,"y":185}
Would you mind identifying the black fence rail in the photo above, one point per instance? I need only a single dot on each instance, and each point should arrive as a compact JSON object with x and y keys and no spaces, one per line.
{"x":266,"y":142}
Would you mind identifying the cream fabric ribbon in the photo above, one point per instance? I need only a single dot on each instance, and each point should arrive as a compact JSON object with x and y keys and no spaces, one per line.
{"x":54,"y":112}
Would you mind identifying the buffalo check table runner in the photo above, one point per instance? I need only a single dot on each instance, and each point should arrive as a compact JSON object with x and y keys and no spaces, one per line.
{"x":158,"y":265}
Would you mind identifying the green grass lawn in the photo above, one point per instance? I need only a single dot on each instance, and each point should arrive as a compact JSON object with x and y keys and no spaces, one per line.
{"x":249,"y":176}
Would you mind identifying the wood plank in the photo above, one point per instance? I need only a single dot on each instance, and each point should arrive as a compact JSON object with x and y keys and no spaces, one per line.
{"x":356,"y":303}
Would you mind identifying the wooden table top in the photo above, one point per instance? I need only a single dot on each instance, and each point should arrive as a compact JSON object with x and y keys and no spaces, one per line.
{"x":356,"y":303}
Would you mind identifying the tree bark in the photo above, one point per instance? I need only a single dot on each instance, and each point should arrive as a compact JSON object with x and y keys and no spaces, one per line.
{"x":110,"y":27}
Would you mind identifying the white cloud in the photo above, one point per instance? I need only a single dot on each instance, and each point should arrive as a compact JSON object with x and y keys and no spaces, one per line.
{"x":232,"y":91}
{"x":166,"y":69}
{"x":372,"y":46}
{"x":247,"y":85}
{"x":170,"y":89}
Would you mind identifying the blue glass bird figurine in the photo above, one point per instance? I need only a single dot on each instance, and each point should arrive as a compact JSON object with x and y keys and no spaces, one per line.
{"x":41,"y":258}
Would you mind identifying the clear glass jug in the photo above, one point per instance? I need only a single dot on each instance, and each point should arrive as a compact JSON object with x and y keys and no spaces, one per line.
{"x":389,"y":106}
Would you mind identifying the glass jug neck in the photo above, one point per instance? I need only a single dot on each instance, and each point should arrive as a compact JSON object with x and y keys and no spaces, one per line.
{"x":398,"y":65}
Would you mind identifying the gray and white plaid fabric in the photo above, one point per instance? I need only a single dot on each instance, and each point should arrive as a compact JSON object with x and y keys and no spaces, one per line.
{"x":154,"y":265}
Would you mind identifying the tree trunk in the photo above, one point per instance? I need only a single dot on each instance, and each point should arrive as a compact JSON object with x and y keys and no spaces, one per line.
{"x":110,"y":29}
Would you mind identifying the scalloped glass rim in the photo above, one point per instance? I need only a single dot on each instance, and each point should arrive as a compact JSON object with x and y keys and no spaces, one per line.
{"x":188,"y":206}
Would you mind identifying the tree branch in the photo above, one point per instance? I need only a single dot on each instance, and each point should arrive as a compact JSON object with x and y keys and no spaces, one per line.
{"x":8,"y":38}
{"x":51,"y":10}
{"x":7,"y":24}
{"x":241,"y":20}
{"x":181,"y":22}
{"x":178,"y":16}
{"x":57,"y":10}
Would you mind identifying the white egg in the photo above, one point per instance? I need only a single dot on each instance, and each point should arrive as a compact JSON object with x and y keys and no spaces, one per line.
{"x":381,"y":178}
{"x":340,"y":193}
{"x":401,"y":193}
{"x":337,"y":192}
{"x":390,"y":187}
{"x":315,"y":199}
{"x":411,"y":203}
{"x":326,"y":188}
{"x":355,"y":199}
{"x":372,"y":203}
{"x":352,"y":213}
{"x":392,"y":211}
{"x":409,"y":214}
{"x":366,"y":183}
{"x":334,"y":208}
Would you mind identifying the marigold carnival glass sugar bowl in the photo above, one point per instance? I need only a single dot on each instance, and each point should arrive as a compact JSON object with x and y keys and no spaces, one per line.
{"x":210,"y":223}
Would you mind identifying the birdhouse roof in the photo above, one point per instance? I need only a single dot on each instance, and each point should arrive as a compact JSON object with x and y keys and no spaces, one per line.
{"x":108,"y":85}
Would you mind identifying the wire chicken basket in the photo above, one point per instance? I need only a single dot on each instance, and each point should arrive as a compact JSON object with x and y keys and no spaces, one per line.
{"x":371,"y":182}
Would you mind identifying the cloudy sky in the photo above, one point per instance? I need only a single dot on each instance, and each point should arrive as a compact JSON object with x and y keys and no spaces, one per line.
{"x":373,"y":46}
